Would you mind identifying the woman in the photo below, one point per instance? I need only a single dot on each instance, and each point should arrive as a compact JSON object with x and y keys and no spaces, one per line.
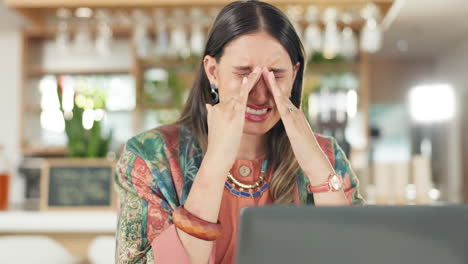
{"x":241,"y":141}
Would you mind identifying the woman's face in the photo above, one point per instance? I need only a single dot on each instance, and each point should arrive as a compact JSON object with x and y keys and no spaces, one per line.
{"x":239,"y":59}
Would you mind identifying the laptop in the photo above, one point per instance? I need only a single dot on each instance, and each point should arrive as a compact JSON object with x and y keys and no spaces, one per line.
{"x":361,"y":235}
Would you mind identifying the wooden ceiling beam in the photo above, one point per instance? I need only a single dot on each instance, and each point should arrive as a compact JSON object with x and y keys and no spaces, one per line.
{"x":157,"y":3}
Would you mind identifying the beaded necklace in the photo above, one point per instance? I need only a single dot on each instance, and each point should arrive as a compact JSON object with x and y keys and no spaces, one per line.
{"x":238,"y":188}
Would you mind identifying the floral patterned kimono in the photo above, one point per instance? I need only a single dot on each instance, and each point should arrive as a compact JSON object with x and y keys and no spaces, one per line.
{"x":155,"y":173}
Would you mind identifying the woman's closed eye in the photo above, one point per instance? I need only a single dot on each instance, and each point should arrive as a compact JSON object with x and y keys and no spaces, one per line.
{"x":246,"y":74}
{"x":243,"y":74}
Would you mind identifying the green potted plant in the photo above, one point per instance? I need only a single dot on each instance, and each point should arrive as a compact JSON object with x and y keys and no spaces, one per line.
{"x":85,"y":141}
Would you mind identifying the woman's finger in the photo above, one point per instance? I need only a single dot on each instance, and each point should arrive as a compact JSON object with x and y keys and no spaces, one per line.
{"x":248,"y":83}
{"x":271,"y":82}
{"x":283,"y":103}
{"x":244,"y":86}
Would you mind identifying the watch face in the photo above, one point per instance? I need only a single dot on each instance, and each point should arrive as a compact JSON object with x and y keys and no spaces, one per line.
{"x":336,"y":182}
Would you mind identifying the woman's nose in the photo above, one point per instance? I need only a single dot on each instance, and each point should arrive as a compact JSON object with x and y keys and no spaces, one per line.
{"x":260,"y":91}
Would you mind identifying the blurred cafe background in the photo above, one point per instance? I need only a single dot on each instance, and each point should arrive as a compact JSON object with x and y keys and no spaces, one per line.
{"x":387,"y":78}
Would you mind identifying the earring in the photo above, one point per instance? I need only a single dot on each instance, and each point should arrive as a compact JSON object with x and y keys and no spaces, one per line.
{"x":214,"y":93}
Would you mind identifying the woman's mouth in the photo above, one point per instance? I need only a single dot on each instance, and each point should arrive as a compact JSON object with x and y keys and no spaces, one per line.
{"x":257,"y":114}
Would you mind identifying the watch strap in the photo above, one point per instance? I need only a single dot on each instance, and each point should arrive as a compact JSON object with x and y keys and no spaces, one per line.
{"x":318,"y":188}
{"x":328,"y":186}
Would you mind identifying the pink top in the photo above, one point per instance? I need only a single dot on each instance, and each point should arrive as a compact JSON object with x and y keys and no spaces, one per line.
{"x":169,"y":248}
{"x":152,"y":180}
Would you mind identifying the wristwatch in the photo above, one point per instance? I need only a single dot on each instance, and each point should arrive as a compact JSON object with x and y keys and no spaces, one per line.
{"x":334,"y":184}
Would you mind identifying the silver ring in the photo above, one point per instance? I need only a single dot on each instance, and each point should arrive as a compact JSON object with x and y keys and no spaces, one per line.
{"x":291,"y":109}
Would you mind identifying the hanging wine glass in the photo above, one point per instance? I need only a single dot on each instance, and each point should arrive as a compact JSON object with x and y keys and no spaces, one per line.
{"x":294,"y":13}
{"x":349,"y":47}
{"x":103,"y":40}
{"x":179,"y":42}
{"x":141,"y":37}
{"x":62,"y":39}
{"x":371,"y":35}
{"x":197,"y":40}
{"x":83,"y":12}
{"x":312,"y":34}
{"x":331,"y":36}
{"x":83,"y":42}
{"x":162,"y":39}
{"x":122,"y":18}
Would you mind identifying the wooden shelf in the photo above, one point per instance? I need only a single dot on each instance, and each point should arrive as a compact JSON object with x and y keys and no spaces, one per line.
{"x":187,"y":3}
{"x":49,"y":32}
{"x":38,"y":11}
{"x":35,"y":72}
{"x":157,"y":108}
{"x":157,"y":62}
{"x":118,"y":31}
{"x":44,"y":151}
{"x":36,"y":109}
{"x":330,"y":67}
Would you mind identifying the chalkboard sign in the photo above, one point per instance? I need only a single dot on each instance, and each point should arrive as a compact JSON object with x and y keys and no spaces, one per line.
{"x":77,"y":184}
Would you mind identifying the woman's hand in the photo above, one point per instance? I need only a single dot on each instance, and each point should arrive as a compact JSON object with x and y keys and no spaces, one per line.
{"x":226,"y":121}
{"x":225,"y":127}
{"x":306,"y":149}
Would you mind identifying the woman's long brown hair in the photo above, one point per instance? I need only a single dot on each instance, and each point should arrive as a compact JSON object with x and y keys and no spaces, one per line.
{"x":234,"y":20}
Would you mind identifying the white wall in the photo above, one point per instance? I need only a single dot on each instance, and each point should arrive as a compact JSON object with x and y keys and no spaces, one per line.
{"x":8,"y":18}
{"x":9,"y":88}
{"x":451,"y":67}
{"x":10,"y":40}
{"x":10,"y":68}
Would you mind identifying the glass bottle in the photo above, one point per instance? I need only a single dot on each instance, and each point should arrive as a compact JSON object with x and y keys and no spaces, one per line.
{"x":4,"y":180}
